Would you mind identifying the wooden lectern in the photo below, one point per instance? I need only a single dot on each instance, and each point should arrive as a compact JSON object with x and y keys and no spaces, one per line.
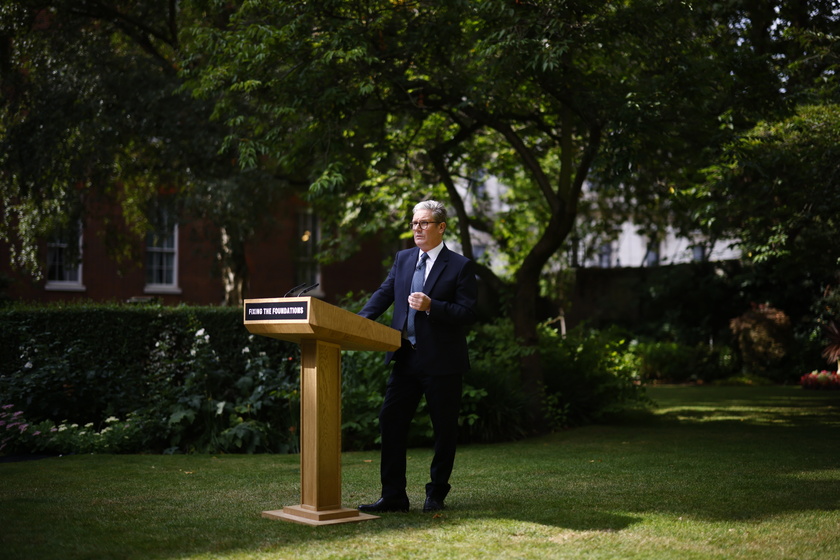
{"x":322,"y":331}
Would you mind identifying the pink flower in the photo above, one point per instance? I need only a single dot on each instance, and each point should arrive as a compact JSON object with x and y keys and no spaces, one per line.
{"x":820,"y":380}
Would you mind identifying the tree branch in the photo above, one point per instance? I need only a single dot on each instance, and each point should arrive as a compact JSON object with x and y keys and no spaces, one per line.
{"x":527,"y":155}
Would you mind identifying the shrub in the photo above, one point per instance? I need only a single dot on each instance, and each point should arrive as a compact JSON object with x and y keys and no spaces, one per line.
{"x":117,"y":436}
{"x":364,"y":375}
{"x":188,"y":392}
{"x":214,"y":411}
{"x":493,"y":407}
{"x":118,"y":378}
{"x":590,"y":376}
{"x":764,"y":335}
{"x":673,"y":362}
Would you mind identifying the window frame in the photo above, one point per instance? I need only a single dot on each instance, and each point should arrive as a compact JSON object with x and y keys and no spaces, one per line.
{"x":54,"y":285}
{"x":161,"y":249}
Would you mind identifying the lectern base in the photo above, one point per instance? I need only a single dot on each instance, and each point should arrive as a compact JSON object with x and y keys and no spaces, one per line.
{"x":298,"y":514}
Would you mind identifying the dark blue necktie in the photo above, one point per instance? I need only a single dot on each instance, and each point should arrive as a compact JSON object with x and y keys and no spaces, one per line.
{"x":417,"y":282}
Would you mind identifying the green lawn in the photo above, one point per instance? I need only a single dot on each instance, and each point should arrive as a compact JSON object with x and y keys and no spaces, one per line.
{"x":717,"y":473}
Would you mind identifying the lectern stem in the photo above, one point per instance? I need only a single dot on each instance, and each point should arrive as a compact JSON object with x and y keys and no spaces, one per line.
{"x":320,"y":425}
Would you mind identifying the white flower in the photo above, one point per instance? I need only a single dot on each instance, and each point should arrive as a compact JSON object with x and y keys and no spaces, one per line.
{"x":28,"y":365}
{"x":200,"y":333}
{"x":246,"y":350}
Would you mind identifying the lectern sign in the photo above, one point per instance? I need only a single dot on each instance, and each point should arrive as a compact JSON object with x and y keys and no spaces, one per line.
{"x":276,"y":310}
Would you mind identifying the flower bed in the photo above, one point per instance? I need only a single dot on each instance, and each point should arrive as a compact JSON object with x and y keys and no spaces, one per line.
{"x":820,"y":380}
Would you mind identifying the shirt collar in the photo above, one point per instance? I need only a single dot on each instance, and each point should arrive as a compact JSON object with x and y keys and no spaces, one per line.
{"x":433,"y":253}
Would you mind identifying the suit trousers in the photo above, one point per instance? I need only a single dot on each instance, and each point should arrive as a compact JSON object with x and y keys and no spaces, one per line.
{"x":405,"y":388}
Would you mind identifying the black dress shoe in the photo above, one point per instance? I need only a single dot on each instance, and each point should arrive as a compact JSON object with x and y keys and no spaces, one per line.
{"x":432,"y":505}
{"x":385,"y":506}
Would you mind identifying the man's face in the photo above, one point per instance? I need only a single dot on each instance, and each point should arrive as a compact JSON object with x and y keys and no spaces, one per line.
{"x":429,"y":238}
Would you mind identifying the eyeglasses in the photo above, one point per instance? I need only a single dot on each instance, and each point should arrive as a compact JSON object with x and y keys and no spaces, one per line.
{"x":423,"y":225}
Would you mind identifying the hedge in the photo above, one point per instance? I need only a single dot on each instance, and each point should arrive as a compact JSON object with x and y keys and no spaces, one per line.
{"x":147,"y":378}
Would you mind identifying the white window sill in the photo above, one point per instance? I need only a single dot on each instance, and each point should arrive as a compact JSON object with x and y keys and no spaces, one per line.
{"x":161,"y":289}
{"x":64,"y":287}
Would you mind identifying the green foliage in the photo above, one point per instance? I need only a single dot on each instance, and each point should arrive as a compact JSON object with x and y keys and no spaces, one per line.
{"x":213,"y":411}
{"x":181,"y":380}
{"x":681,"y":314}
{"x":775,"y":190}
{"x":127,"y":104}
{"x":427,"y":95}
{"x":591,"y":376}
{"x":690,"y":303}
{"x":765,"y":190}
{"x":364,"y":375}
{"x":500,"y":412}
{"x":47,"y":437}
{"x":191,"y":378}
{"x":94,"y":123}
{"x":672,"y":362}
{"x":632,"y":99}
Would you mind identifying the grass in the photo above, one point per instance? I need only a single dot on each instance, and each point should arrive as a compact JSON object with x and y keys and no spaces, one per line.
{"x":728,"y":473}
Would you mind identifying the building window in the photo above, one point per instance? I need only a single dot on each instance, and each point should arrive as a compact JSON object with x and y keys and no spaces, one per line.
{"x":698,"y":253}
{"x":162,"y":261}
{"x":307,"y":269}
{"x":64,"y":265}
{"x":605,"y":254}
{"x":652,"y":254}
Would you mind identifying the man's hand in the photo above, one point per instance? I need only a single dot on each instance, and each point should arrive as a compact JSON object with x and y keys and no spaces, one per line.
{"x":419,"y":301}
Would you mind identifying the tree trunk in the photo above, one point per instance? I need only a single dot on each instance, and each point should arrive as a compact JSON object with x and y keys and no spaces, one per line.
{"x":564,"y":205}
{"x":234,"y":269}
{"x":524,"y":315}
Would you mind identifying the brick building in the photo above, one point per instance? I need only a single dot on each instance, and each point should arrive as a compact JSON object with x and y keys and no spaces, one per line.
{"x":181,"y":266}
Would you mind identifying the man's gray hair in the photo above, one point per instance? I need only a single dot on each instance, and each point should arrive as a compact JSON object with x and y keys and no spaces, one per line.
{"x":437,"y":208}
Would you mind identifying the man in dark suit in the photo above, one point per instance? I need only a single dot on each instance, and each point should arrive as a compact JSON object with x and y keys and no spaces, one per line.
{"x":434,"y":293}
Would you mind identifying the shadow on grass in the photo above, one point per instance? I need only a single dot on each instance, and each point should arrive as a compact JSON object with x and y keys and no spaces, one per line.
{"x":715,"y":456}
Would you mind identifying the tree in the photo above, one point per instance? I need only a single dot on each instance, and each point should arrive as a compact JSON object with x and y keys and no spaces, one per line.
{"x":778,"y":187}
{"x":774,"y":186}
{"x":382,"y":98}
{"x":93,"y":117}
{"x":372,"y":106}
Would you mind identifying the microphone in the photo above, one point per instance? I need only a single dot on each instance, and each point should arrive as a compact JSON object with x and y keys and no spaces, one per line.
{"x":287,"y":294}
{"x":310,"y":288}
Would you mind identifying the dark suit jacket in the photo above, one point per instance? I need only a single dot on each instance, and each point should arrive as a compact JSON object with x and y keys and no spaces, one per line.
{"x":441,"y":335}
